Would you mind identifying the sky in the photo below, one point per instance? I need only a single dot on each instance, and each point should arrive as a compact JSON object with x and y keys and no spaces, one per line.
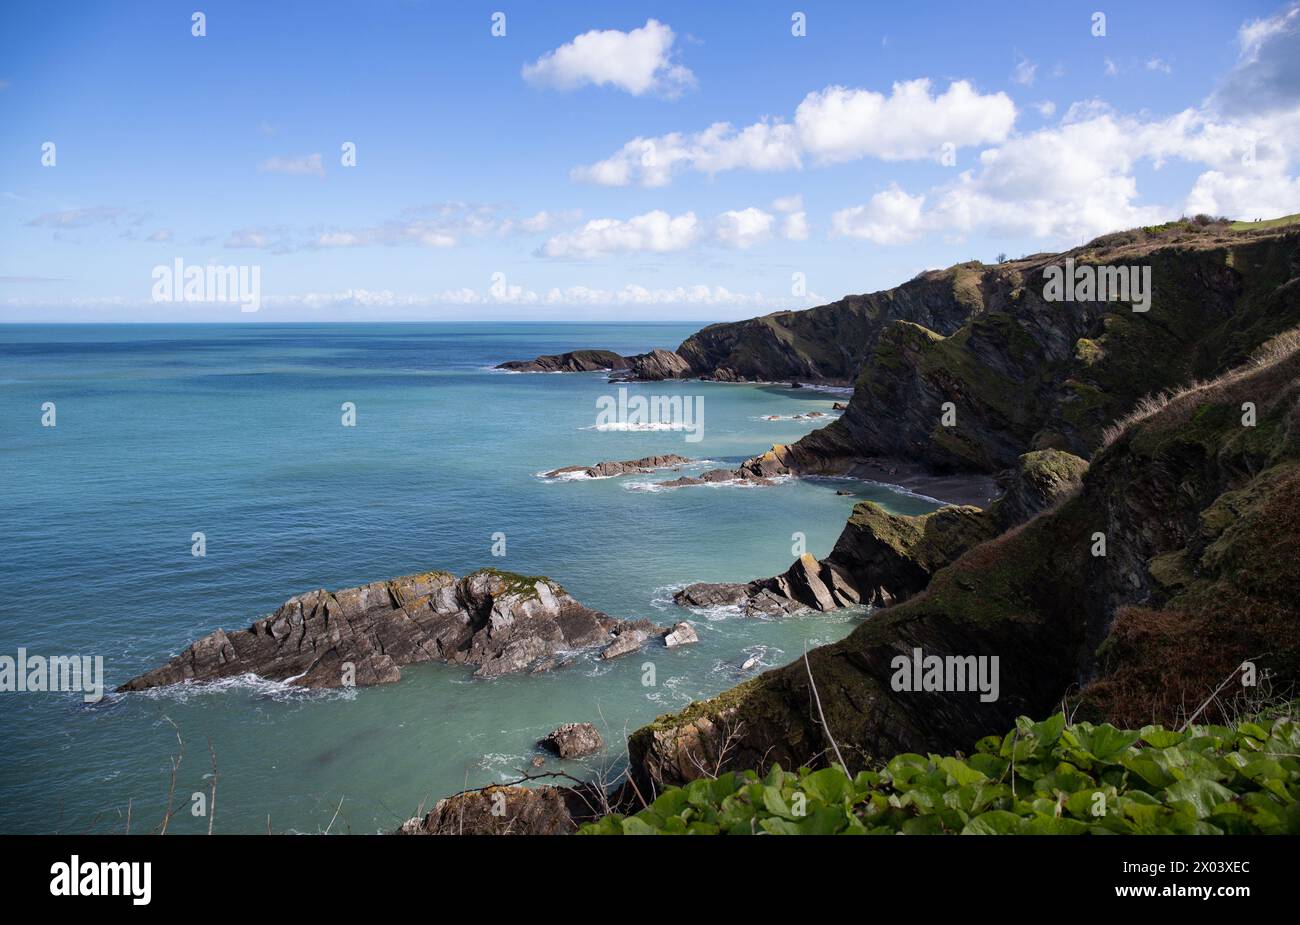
{"x":608,"y":162}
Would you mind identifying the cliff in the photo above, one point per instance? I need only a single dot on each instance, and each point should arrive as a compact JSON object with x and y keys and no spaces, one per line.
{"x":1200,"y":514}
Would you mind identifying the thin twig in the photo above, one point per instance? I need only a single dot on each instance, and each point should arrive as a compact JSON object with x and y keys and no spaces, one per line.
{"x":1215,"y":693}
{"x":171,"y":789}
{"x":818,"y":698}
{"x":212,"y":803}
{"x":336,"y":815}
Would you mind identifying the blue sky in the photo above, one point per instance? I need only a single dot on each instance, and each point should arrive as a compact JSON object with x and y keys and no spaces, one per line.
{"x":550,"y":174}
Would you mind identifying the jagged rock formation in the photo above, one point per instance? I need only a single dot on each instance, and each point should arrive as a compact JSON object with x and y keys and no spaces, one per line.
{"x":573,"y":740}
{"x":498,"y":621}
{"x":576,"y":361}
{"x":682,"y":634}
{"x":607,"y":469}
{"x":1201,"y":519}
{"x":881,"y":558}
{"x":509,"y":810}
{"x":656,"y":365}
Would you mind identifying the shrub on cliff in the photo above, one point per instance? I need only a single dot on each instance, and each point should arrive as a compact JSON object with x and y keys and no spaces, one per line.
{"x":1046,"y":778}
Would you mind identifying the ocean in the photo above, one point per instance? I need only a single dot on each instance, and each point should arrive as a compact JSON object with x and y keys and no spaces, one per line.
{"x":235,"y":432}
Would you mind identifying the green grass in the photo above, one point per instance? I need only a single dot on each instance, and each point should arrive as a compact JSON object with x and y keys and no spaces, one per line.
{"x":1271,"y":223}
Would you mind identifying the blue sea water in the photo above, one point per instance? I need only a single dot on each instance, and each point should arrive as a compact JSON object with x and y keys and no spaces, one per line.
{"x":235,"y":431}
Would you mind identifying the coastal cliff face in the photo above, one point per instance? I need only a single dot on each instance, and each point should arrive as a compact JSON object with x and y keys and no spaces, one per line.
{"x":1200,"y":515}
{"x":1025,"y":373}
{"x":497,"y":621}
{"x":829,"y":343}
{"x":882,"y":558}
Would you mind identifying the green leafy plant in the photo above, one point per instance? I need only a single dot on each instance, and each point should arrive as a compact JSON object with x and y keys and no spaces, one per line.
{"x":1044,"y":778}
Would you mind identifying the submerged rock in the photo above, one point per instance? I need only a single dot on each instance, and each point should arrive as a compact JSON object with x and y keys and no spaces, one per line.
{"x":573,"y":740}
{"x":497,"y":621}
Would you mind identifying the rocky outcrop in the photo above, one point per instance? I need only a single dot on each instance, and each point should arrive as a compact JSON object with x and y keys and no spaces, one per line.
{"x":576,"y":361}
{"x":830,"y":343}
{"x":507,"y":810}
{"x":882,"y":558}
{"x":644,"y":367}
{"x":682,"y":634}
{"x":498,"y":621}
{"x":1200,"y":514}
{"x":608,"y":469}
{"x":573,"y":740}
{"x":654,"y":366}
{"x":631,"y":637}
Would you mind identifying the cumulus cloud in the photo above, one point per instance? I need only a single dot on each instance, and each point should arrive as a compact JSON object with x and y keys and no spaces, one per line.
{"x":1267,"y":75}
{"x":306,"y":165}
{"x":794,"y":227}
{"x":1078,"y":179}
{"x":891,"y":217}
{"x":833,"y":125}
{"x":839,"y":124}
{"x":654,"y":232}
{"x":744,"y":228}
{"x":639,"y":61}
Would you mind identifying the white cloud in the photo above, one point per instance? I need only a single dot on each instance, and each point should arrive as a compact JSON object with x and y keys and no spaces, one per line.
{"x":891,"y":217}
{"x":1267,"y":75}
{"x":1159,"y":64}
{"x":1111,"y":68}
{"x":744,"y":228}
{"x":832,"y":125}
{"x":639,"y":62}
{"x":654,"y":232}
{"x":80,"y":218}
{"x":575,"y":295}
{"x":788,"y":203}
{"x":795,"y":227}
{"x":840,"y":124}
{"x":1046,"y":109}
{"x":307,"y":165}
{"x":1024,"y":72}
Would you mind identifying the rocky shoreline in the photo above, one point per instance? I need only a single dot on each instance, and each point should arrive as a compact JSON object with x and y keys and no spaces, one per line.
{"x":498,"y":622}
{"x":1197,"y":508}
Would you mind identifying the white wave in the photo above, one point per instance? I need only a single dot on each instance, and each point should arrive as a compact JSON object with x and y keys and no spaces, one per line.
{"x":504,"y":766}
{"x":803,"y":416}
{"x":729,"y":483}
{"x":640,"y":426}
{"x":280,"y":691}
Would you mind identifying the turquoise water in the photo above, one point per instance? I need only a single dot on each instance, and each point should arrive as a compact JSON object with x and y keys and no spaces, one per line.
{"x":235,"y":431}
